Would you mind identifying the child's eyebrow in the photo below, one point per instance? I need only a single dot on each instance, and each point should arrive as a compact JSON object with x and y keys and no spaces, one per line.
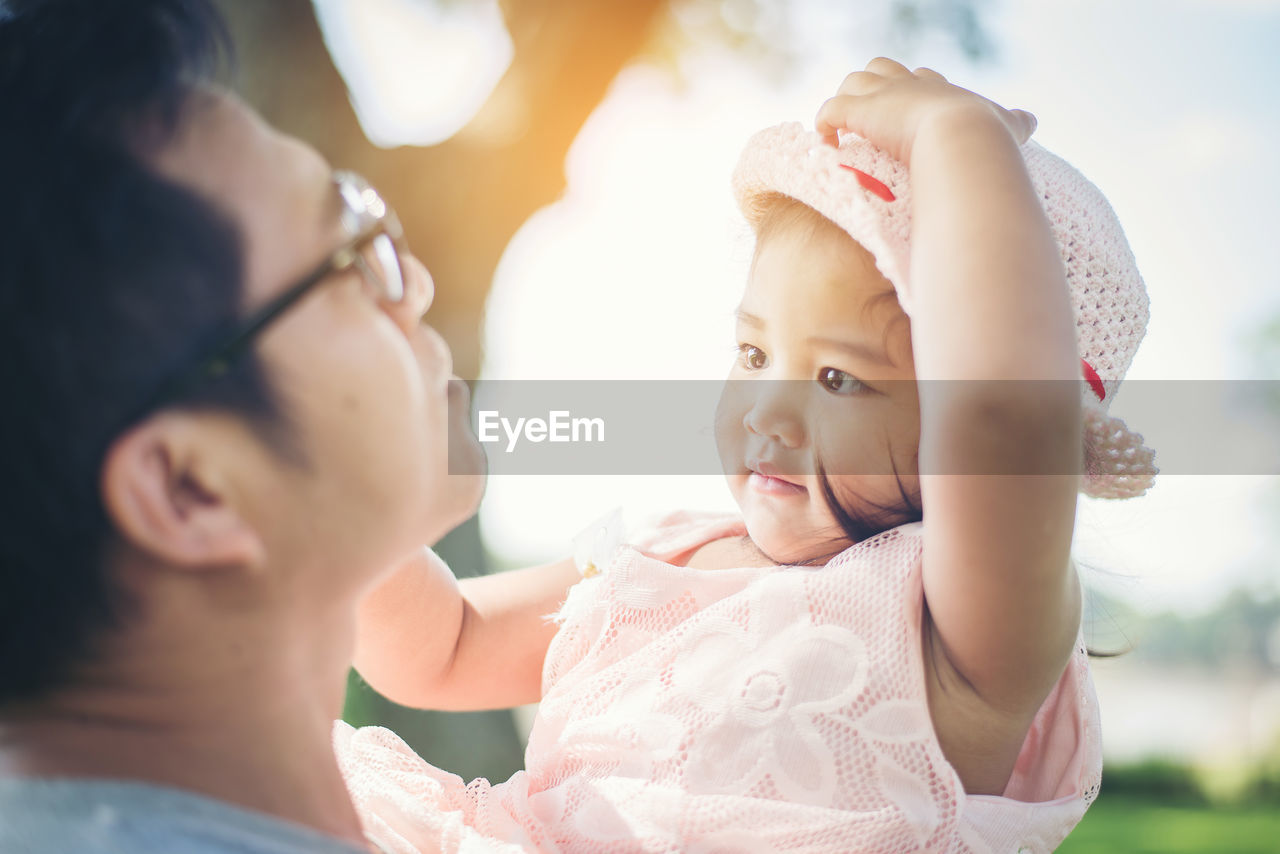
{"x":862,"y":351}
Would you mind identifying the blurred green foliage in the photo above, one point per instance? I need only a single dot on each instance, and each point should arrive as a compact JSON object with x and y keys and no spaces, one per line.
{"x":767,"y":33}
{"x":1263,"y":346}
{"x":1161,"y":781}
{"x":1124,"y":826}
{"x":1159,"y":806}
{"x":1242,"y":630}
{"x":1262,"y":779}
{"x":1238,"y":630}
{"x":1170,"y":783}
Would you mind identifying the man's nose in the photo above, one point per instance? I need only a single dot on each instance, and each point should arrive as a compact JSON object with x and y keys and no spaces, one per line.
{"x":419,"y":292}
{"x":777,"y":411}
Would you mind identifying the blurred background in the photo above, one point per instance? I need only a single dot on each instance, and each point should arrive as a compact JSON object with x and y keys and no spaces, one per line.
{"x":562,"y":167}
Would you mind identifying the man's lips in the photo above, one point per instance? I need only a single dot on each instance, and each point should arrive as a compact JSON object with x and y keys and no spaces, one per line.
{"x":459,"y":396}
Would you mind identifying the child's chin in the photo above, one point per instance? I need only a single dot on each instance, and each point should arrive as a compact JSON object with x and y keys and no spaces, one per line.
{"x":778,"y":542}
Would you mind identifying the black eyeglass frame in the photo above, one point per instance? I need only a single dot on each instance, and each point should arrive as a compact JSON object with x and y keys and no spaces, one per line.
{"x":374,"y":220}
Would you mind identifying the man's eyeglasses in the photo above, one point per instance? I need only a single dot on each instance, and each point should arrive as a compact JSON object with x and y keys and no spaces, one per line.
{"x":374,"y":247}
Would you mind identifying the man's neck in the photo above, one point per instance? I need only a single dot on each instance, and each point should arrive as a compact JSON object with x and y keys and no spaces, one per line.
{"x":259,"y":738}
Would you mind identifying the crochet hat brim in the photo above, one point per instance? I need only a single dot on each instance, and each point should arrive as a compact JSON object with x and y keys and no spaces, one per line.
{"x":867,"y":193}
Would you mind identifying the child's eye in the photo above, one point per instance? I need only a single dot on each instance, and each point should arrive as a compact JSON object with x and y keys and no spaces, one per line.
{"x":837,"y":381}
{"x":752,"y":357}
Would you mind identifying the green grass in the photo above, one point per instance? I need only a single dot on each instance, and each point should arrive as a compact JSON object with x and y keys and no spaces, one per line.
{"x":1124,"y":826}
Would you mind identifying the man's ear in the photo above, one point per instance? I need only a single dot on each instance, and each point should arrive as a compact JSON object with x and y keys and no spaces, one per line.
{"x":168,"y":501}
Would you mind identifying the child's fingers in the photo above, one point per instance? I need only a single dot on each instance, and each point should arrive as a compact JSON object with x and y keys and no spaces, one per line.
{"x":861,"y":83}
{"x":836,"y":113}
{"x":877,"y":73}
{"x":1024,"y":124}
{"x":834,"y":116}
{"x":886,"y":67}
{"x":887,"y":95}
{"x":930,"y":74}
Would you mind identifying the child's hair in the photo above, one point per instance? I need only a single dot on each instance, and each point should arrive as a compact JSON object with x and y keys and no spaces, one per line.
{"x":861,"y":518}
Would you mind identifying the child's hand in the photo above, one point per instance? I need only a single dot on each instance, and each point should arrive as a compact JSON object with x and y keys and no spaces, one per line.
{"x":888,"y":105}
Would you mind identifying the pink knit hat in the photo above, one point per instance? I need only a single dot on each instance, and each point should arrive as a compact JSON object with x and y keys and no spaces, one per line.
{"x":866,"y":192}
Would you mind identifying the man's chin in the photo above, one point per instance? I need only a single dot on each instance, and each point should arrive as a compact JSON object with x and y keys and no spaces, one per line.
{"x":467,"y":460}
{"x":466,"y":455}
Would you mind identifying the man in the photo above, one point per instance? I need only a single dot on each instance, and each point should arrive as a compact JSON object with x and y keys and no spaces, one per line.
{"x":224,"y":421}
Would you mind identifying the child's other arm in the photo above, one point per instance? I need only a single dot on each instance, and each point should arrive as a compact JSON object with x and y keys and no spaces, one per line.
{"x":426,"y":640}
{"x":991,"y":303}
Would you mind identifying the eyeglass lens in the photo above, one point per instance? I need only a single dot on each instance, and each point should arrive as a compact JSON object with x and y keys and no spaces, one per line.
{"x":386,"y":266}
{"x":379,"y":259}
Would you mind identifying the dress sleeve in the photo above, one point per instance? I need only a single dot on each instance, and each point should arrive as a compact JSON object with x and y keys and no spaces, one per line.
{"x":668,"y":537}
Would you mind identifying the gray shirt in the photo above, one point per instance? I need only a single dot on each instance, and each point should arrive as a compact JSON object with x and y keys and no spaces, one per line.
{"x":48,"y":816}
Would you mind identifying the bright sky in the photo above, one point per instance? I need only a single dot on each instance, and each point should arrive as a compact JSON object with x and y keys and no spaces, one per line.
{"x":1168,"y":105}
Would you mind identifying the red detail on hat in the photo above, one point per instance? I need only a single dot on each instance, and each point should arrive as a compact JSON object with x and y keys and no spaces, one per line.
{"x":869,"y":183}
{"x":1094,"y":381}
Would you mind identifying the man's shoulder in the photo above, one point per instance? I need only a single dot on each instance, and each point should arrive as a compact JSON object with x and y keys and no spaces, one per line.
{"x":52,"y":816}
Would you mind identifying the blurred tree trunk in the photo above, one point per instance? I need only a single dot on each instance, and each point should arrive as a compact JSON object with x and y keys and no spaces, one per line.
{"x":461,"y":203}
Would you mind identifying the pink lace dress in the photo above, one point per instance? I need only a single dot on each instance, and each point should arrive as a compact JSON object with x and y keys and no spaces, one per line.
{"x":775,"y":709}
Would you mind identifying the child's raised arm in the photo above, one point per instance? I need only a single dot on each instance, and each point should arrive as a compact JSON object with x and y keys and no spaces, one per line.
{"x":424,"y":639}
{"x":991,"y":303}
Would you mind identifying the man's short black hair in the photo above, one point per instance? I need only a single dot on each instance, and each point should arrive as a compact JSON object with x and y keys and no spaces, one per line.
{"x":110,"y":275}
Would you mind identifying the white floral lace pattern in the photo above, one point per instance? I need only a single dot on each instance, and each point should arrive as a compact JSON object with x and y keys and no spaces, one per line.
{"x":770,"y":710}
{"x":761,"y":687}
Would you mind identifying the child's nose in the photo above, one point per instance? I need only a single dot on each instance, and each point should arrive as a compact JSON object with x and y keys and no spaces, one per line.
{"x":777,"y":412}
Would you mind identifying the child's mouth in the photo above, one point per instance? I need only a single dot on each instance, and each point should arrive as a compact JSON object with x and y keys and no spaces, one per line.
{"x":770,"y":485}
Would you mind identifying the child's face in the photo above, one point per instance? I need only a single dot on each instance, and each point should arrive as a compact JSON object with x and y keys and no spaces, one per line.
{"x":824,"y":376}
